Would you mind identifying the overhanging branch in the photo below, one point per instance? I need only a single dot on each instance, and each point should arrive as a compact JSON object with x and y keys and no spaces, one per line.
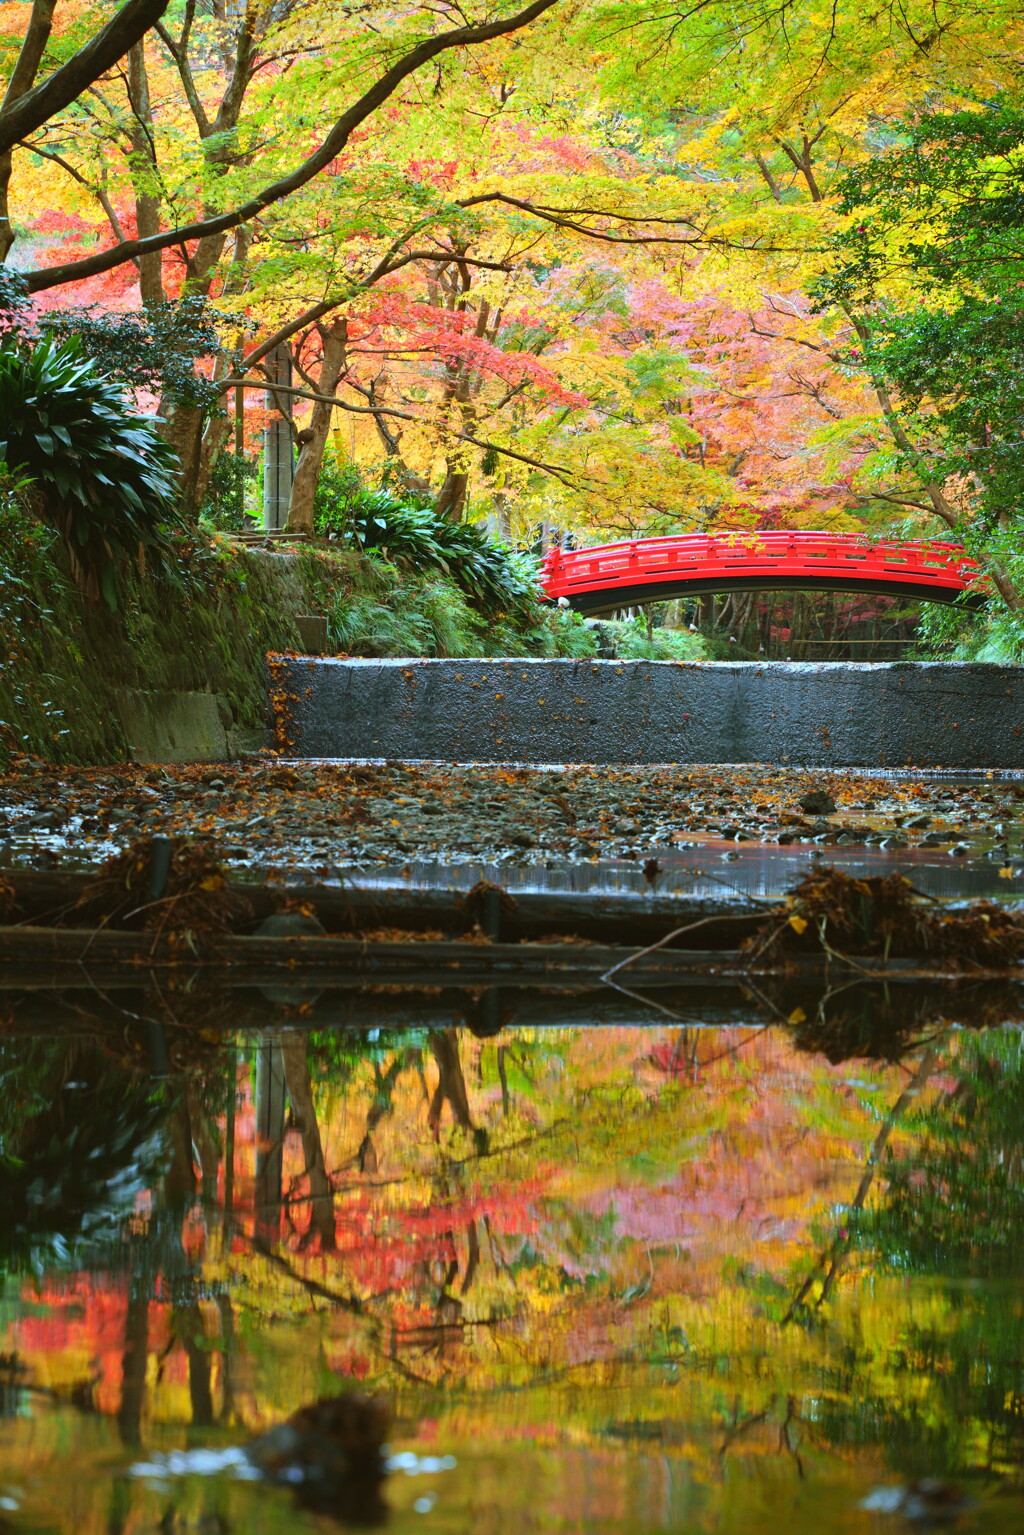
{"x":330,"y":149}
{"x":100,"y":53}
{"x":557,"y":471}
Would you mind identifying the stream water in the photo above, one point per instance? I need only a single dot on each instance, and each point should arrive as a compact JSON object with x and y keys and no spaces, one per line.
{"x":713,"y":1258}
{"x":686,"y":1274}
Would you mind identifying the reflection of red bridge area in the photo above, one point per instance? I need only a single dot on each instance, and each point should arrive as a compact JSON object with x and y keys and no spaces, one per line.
{"x":651,"y":569}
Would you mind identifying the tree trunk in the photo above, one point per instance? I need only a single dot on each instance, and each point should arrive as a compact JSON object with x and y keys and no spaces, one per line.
{"x":314,"y":436}
{"x":147,"y":205}
{"x":25,"y":70}
{"x":451,"y":1084}
{"x":134,"y":1361}
{"x":451,"y":500}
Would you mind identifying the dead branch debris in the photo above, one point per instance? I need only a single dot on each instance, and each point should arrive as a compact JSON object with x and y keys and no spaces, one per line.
{"x":170,"y":887}
{"x":875,"y":918}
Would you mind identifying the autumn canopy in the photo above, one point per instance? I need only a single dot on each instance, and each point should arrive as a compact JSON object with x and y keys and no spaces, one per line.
{"x":585,"y":264}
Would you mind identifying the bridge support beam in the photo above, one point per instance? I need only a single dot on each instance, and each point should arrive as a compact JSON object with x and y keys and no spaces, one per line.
{"x":831,"y":714}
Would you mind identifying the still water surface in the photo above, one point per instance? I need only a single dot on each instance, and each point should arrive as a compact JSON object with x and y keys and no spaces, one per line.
{"x":608,"y":1279}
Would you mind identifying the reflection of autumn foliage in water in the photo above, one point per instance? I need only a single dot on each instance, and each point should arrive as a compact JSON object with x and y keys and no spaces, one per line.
{"x":605,"y":1164}
{"x":541,"y":1255}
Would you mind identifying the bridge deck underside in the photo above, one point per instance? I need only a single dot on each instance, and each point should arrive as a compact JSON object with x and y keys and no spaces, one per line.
{"x":605,"y":599}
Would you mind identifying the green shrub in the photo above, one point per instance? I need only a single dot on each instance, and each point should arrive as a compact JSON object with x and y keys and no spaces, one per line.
{"x":374,"y":608}
{"x":101,"y":474}
{"x":407,"y":531}
{"x":223,"y":507}
{"x":628,"y":638}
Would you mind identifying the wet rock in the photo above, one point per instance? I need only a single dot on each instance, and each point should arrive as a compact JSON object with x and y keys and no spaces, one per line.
{"x":46,"y":820}
{"x":290,"y":924}
{"x":331,"y":1454}
{"x":817,"y":802}
{"x":918,"y":822}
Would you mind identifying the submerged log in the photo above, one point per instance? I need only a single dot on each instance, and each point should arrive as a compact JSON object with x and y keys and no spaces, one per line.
{"x":51,"y":899}
{"x":327,"y":960}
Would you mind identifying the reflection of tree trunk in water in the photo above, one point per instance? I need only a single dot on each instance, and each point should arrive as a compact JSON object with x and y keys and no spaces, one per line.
{"x":451,"y":1084}
{"x":270,"y":1100}
{"x":188,"y":1324}
{"x":119,"y":1511}
{"x":472,"y":1257}
{"x":383,"y":1088}
{"x":133,"y":1363}
{"x":448,"y":1311}
{"x":229,"y":1155}
{"x":684,"y":1055}
{"x":503,"y":1079}
{"x":180,"y":1178}
{"x":837,"y":1254}
{"x":227,"y":1359}
{"x":204,"y":1141}
{"x":321,"y":1194}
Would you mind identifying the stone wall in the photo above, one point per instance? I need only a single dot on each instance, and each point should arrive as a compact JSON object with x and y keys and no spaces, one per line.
{"x":834,"y":714}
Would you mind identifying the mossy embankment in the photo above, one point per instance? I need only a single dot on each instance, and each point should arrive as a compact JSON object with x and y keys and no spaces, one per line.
{"x":77,"y":679}
{"x":67,"y":665}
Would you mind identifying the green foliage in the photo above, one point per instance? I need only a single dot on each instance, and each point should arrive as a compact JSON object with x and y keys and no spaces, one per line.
{"x":223,"y":507}
{"x":153,"y":349}
{"x":14,"y":300}
{"x":29,"y":581}
{"x":63,"y":661}
{"x":955,"y":1203}
{"x":338,"y":488}
{"x":102,"y":475}
{"x":930,"y":259}
{"x":79,"y":1143}
{"x":375,"y":608}
{"x":630,"y":642}
{"x":407,"y":531}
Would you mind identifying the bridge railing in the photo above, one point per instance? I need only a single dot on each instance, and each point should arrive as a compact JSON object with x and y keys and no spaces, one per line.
{"x":790,"y":554}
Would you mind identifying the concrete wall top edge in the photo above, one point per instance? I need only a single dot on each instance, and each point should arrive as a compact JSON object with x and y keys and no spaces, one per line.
{"x":741,"y":667}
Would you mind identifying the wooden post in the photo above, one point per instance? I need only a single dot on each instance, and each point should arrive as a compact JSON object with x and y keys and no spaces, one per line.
{"x":278,"y":451}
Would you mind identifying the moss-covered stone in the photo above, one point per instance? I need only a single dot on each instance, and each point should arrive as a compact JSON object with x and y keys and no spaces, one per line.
{"x":80,"y":683}
{"x":65,"y":663}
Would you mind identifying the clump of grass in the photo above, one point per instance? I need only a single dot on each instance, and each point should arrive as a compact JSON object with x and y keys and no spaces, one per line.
{"x":376,"y":608}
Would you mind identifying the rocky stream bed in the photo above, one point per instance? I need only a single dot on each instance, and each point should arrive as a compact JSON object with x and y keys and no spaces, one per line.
{"x":317,"y":816}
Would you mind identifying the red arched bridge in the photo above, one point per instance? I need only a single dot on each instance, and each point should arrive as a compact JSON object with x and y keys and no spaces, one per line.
{"x":652,"y":569}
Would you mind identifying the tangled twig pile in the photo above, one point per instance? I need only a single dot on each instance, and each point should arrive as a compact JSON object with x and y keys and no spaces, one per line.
{"x":188,"y":899}
{"x":886,"y":918}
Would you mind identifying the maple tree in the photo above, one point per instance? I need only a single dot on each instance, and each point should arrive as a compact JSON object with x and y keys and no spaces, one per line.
{"x":559,"y":269}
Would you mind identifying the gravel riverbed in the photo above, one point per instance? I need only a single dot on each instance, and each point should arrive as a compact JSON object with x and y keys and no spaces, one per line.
{"x":266,"y":813}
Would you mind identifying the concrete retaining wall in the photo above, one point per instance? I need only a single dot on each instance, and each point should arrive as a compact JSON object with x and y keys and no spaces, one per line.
{"x":898,"y":714}
{"x":181,"y":727}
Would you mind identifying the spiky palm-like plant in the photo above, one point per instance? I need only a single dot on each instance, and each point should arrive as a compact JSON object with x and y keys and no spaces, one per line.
{"x":101,"y":473}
